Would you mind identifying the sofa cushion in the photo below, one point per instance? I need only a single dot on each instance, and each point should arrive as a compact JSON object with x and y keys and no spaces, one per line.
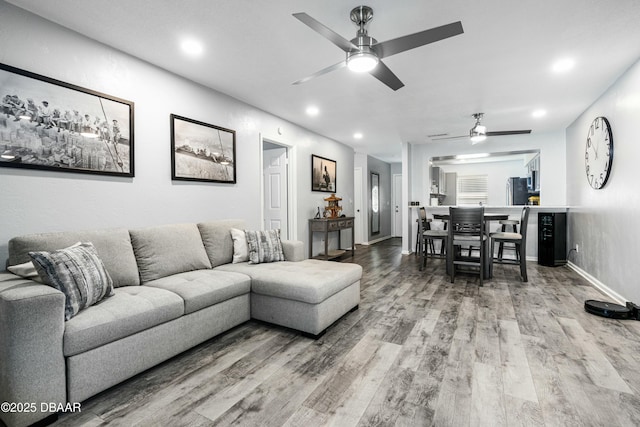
{"x":77,"y":272}
{"x":311,"y":281}
{"x":216,"y":236}
{"x":113,"y":247}
{"x":130,"y":310}
{"x":168,"y":249}
{"x":264,"y":246}
{"x":204,"y":288}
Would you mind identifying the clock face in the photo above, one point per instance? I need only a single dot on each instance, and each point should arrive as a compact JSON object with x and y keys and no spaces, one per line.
{"x":598,"y":153}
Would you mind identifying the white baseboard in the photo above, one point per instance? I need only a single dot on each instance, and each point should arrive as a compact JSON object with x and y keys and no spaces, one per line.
{"x":598,"y":284}
{"x":381,"y":239}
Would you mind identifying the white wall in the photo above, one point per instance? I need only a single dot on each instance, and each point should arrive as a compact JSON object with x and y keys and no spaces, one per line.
{"x":40,"y":201}
{"x":604,"y":222}
{"x":552,"y":161}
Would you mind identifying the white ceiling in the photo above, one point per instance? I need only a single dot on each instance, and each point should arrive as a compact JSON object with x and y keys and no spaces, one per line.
{"x":501,"y":65}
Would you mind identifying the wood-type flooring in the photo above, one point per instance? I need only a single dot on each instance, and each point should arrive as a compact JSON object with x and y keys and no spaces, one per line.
{"x":420,"y":351}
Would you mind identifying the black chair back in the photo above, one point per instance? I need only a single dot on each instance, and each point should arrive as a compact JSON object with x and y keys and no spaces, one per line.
{"x":466,"y":221}
{"x":524,"y":220}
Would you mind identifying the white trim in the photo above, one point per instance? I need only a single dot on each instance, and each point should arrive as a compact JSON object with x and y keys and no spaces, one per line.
{"x":381,"y":239}
{"x":292,"y":200}
{"x":598,"y":284}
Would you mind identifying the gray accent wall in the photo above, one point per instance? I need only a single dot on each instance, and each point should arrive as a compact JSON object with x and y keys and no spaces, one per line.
{"x":41,"y":201}
{"x":604,"y":222}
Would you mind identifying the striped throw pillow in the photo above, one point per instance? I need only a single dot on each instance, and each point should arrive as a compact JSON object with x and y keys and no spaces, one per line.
{"x":76,"y":271}
{"x":264,"y":246}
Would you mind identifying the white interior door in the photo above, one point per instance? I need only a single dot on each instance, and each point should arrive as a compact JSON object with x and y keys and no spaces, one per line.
{"x":275,"y":170}
{"x":357,"y":206}
{"x":397,"y":205}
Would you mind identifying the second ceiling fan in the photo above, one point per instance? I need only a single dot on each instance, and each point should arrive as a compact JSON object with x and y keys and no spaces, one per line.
{"x":479,"y":133}
{"x":365,"y":54}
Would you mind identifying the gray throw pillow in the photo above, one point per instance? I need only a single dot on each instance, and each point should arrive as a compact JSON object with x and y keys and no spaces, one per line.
{"x":76,"y":271}
{"x":264,"y":246}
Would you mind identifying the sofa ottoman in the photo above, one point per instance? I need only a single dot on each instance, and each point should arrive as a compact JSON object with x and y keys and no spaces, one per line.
{"x":307,"y":295}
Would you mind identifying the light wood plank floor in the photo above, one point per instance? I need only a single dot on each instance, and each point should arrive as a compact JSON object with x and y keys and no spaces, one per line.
{"x":420,"y":351}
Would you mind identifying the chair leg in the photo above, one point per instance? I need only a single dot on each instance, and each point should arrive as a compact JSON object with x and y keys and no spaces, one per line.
{"x":522,"y":250}
{"x":492,"y":248}
{"x":450,"y":256}
{"x":501,"y":245}
{"x":482,"y":250}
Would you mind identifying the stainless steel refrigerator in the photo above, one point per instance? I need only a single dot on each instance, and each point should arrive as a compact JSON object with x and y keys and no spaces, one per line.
{"x":517,"y":191}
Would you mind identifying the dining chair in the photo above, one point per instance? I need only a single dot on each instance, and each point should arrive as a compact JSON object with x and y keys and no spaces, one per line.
{"x":466,"y":227}
{"x":520,"y":242}
{"x":505,"y":223}
{"x":427,"y":238}
{"x":422,"y":223}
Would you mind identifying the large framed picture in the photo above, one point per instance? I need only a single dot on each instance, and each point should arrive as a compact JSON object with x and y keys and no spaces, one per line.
{"x":52,"y":125}
{"x":323,"y":174}
{"x":202,"y":152}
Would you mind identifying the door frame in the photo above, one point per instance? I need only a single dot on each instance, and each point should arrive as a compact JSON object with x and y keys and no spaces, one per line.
{"x":292,"y":222}
{"x":361,"y":223}
{"x":397,"y":232}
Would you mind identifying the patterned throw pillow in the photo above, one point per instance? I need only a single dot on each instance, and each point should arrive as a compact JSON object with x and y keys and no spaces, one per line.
{"x":76,"y":271}
{"x":264,"y":246}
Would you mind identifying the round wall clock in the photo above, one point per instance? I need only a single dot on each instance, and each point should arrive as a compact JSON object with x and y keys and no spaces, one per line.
{"x":598,"y":153}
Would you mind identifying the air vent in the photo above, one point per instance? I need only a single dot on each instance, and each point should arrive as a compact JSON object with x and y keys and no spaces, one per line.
{"x":437,"y":135}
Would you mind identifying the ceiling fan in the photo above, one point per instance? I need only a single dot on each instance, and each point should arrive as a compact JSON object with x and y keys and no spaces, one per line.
{"x":365,"y":54}
{"x":478,"y":132}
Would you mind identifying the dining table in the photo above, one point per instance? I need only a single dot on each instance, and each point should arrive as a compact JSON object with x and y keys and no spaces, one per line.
{"x":488,"y":217}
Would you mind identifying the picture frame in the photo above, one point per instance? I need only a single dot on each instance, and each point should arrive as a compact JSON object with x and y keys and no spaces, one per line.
{"x":202,"y":151}
{"x":51,"y":125}
{"x":323,"y":174}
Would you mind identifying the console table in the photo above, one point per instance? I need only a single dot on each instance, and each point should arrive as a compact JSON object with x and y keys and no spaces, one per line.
{"x":326,"y":225}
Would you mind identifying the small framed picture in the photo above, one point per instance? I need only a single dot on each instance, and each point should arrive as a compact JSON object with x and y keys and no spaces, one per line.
{"x":323,"y":174}
{"x":202,"y":152}
{"x":51,"y":125}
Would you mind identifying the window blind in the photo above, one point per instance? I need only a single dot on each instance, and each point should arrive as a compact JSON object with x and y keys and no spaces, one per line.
{"x":472,"y":189}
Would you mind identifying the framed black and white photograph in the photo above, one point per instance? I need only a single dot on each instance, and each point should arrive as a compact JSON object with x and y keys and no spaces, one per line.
{"x":48,"y":124}
{"x":323,"y":174}
{"x":202,"y":152}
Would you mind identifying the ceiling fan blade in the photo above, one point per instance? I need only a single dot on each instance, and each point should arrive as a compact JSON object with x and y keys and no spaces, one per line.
{"x":386,"y":76}
{"x":450,"y":137}
{"x":326,"y":32}
{"x":333,"y":67}
{"x":411,"y":41}
{"x":508,"y":132}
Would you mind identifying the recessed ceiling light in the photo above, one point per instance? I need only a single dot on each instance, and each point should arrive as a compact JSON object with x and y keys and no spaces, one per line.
{"x":357,"y":135}
{"x":539,"y":113}
{"x":312,"y":110}
{"x":192,"y":47}
{"x":563,"y":65}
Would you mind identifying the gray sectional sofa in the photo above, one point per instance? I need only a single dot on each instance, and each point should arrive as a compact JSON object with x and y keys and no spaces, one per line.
{"x":175,"y":286}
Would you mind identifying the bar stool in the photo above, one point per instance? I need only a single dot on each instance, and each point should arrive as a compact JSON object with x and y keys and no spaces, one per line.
{"x":427,"y":237}
{"x":466,"y":227}
{"x":505,"y":225}
{"x":422,"y":222}
{"x":520,"y":242}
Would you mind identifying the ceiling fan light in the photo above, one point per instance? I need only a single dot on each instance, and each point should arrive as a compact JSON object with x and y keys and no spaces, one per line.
{"x":478,"y":133}
{"x":362,"y":62}
{"x":478,"y":138}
